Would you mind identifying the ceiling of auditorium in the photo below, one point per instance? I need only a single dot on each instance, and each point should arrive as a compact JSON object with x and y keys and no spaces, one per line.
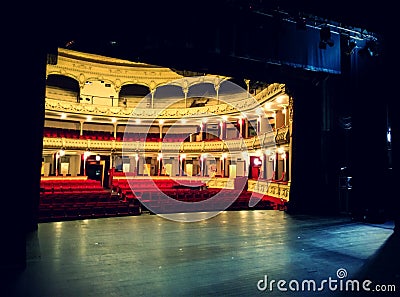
{"x":176,"y":34}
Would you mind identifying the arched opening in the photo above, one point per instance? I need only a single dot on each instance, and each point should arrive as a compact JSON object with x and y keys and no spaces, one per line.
{"x":62,"y":87}
{"x":170,"y":96}
{"x":132,"y":94}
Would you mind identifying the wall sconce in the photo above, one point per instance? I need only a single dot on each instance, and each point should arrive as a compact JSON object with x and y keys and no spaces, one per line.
{"x":61,"y":152}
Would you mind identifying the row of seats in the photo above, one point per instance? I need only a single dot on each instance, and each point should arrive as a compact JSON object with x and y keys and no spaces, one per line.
{"x":66,"y":211}
{"x":70,"y":199}
{"x":70,"y":185}
{"x":158,"y":194}
{"x":104,"y":135}
{"x":131,"y":196}
{"x":83,"y":196}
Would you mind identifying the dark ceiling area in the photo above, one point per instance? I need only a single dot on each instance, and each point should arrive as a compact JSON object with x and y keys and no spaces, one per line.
{"x":202,"y":36}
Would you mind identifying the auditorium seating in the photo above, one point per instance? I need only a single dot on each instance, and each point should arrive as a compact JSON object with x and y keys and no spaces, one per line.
{"x":70,"y":199}
{"x":149,"y":192}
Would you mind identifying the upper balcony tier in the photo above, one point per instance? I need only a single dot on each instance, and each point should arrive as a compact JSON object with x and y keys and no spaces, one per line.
{"x":104,"y":88}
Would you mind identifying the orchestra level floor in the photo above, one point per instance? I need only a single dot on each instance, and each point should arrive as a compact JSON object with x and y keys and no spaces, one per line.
{"x":229,"y":254}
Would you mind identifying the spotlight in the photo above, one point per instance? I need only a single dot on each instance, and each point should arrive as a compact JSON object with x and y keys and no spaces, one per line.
{"x":325,"y":33}
{"x":70,"y":43}
{"x":350,"y":47}
{"x":325,"y":37}
{"x":301,"y":23}
{"x":370,"y":49}
{"x":322,"y":44}
{"x":330,"y":42}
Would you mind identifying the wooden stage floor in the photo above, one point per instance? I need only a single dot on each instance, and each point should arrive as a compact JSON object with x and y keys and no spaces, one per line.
{"x":229,"y":254}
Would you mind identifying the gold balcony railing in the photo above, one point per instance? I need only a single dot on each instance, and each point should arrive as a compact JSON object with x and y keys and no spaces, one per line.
{"x":234,"y":145}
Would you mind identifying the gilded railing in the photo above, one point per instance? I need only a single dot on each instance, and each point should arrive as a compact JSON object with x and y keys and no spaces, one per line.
{"x":234,"y":145}
{"x":246,"y":104}
{"x":282,"y":135}
{"x":272,"y":189}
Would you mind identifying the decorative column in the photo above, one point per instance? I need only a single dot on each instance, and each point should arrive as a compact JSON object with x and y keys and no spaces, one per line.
{"x":247,"y":81}
{"x":136,"y":171}
{"x":182,"y":158}
{"x":159,"y":159}
{"x":224,"y":157}
{"x":160,"y":124}
{"x":284,"y":113}
{"x":274,"y":120}
{"x":81,"y":128}
{"x":56,"y":156}
{"x":152,"y":88}
{"x":264,"y":162}
{"x":240,"y":122}
{"x":264,"y":125}
{"x":203,"y":159}
{"x":117,"y":88}
{"x":245,"y":128}
{"x":82,"y":81}
{"x":290,"y":123}
{"x":203,"y":131}
{"x":86,"y":154}
{"x":185,"y":90}
{"x":115,"y":130}
{"x":283,"y":156}
{"x":152,"y":98}
{"x":216,"y":87}
{"x":222,"y":126}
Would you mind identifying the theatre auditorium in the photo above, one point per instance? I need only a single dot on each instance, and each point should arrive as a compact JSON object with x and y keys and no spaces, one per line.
{"x":252,"y":153}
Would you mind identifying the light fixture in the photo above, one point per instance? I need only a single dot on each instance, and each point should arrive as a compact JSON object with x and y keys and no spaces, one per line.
{"x":86,"y":154}
{"x":322,"y":44}
{"x":61,"y":152}
{"x":350,"y":47}
{"x":257,"y":162}
{"x":370,"y":49}
{"x":389,"y":135}
{"x":301,"y":23}
{"x":325,"y":37}
{"x":280,"y":150}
